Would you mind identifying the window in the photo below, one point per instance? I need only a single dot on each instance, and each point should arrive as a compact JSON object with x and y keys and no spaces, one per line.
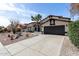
{"x":52,"y":22}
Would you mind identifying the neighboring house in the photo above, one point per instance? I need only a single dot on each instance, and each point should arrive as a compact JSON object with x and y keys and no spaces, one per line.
{"x":33,"y":27}
{"x":22,"y":27}
{"x":55,"y":21}
{"x":9,"y":27}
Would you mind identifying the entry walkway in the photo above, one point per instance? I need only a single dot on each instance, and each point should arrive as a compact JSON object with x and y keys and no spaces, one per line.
{"x":42,"y":45}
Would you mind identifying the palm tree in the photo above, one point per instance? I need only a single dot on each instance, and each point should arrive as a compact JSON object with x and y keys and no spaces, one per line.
{"x":74,"y":9}
{"x":37,"y":19}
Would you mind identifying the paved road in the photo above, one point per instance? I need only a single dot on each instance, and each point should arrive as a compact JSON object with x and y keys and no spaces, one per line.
{"x":42,"y":45}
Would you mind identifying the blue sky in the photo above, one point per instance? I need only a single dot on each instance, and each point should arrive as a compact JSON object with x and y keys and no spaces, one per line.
{"x":24,"y":11}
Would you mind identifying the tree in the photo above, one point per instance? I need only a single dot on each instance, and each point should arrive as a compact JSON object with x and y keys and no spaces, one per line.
{"x":74,"y":9}
{"x":14,"y":23}
{"x":36,"y":18}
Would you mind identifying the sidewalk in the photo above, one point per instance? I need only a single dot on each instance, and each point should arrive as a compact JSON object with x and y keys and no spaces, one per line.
{"x":42,"y":45}
{"x":3,"y":51}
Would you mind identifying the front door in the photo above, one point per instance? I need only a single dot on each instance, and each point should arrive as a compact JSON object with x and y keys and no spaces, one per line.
{"x":37,"y":28}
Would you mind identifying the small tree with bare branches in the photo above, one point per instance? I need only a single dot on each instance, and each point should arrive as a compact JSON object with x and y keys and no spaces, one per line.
{"x":74,"y":9}
{"x":14,"y":23}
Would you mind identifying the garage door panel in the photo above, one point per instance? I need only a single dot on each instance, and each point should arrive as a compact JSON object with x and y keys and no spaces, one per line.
{"x":58,"y":30}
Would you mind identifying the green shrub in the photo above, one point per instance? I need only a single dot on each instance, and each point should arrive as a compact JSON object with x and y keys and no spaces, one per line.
{"x":1,"y":31}
{"x":73,"y":32}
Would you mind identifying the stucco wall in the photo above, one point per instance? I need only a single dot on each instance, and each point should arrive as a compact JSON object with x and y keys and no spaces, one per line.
{"x":46,"y":24}
{"x":56,"y":23}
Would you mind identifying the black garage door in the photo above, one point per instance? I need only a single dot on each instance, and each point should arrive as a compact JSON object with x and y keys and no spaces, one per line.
{"x":57,"y":30}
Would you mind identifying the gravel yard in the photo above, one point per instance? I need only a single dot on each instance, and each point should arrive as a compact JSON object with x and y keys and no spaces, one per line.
{"x":5,"y":40}
{"x":68,"y":49}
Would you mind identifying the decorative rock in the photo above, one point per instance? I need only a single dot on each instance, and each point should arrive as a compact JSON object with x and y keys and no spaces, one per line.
{"x":12,"y":37}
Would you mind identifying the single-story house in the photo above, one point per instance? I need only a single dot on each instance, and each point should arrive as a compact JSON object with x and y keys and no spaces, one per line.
{"x":52,"y":24}
{"x":31,"y":27}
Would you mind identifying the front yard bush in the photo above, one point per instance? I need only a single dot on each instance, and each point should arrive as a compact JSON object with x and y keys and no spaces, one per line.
{"x":1,"y":31}
{"x":73,"y":32}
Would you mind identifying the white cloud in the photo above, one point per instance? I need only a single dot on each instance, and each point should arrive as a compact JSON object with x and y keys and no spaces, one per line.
{"x":23,"y":13}
{"x":6,"y":6}
{"x":4,"y":21}
{"x":9,"y":7}
{"x":12,"y":7}
{"x":22,"y":10}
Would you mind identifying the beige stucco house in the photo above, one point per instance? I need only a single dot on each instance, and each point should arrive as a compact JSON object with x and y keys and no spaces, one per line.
{"x":53,"y":20}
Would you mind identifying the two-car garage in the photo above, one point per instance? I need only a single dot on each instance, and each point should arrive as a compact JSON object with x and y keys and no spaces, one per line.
{"x":57,"y":30}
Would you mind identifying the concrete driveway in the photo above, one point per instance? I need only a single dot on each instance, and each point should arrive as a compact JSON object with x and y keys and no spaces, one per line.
{"x":42,"y":45}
